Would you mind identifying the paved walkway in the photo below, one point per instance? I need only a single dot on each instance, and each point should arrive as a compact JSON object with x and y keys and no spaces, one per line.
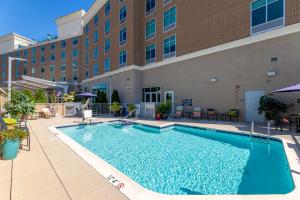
{"x":52,"y":171}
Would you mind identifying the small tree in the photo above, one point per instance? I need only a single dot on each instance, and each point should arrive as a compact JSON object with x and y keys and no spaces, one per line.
{"x":40,"y":96}
{"x":115,"y":96}
{"x":53,"y":98}
{"x":101,"y":97}
{"x":271,"y":107}
{"x":20,"y":105}
{"x":69,"y":97}
{"x":29,"y":94}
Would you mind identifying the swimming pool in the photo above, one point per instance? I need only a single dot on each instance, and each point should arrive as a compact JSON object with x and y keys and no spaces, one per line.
{"x":181,"y":160}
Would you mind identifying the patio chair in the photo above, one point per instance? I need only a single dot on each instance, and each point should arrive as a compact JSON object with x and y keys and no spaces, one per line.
{"x":46,"y":113}
{"x":197,"y":113}
{"x":88,"y":116}
{"x":178,"y":112}
{"x":211,"y":112}
{"x":232,"y":115}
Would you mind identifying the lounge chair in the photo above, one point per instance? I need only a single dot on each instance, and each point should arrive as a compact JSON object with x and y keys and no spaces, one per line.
{"x":46,"y":113}
{"x":232,"y":115}
{"x":197,"y":113}
{"x":178,"y":112}
{"x":211,"y":113}
{"x":88,"y":116}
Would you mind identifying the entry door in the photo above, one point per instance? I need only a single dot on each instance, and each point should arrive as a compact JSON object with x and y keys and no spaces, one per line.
{"x":169,"y":97}
{"x":252,"y":103}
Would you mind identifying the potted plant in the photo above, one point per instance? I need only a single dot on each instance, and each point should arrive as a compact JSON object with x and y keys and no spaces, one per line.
{"x":271,"y":108}
{"x":131,"y":108}
{"x":10,"y":142}
{"x":163,"y":110}
{"x":115,"y":108}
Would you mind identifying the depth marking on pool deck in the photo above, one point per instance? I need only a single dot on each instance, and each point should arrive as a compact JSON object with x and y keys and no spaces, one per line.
{"x":115,"y":182}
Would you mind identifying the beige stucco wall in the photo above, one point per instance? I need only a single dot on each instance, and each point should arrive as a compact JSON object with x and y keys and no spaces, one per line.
{"x":237,"y":71}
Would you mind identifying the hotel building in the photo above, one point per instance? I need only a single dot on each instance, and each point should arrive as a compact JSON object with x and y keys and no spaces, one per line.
{"x":209,"y":53}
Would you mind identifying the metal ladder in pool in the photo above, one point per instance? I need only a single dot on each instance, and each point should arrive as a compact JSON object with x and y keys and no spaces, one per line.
{"x":262,"y":139}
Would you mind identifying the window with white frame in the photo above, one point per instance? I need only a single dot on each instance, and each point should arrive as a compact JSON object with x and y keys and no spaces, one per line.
{"x":63,"y":55}
{"x":150,"y":29}
{"x":170,"y":19}
{"x":96,"y":69}
{"x":150,"y":6}
{"x":123,"y":36}
{"x":96,"y":53}
{"x":123,"y":14}
{"x":107,"y":46}
{"x":123,"y":58}
{"x":150,"y":53}
{"x":107,"y":26}
{"x":107,"y":64}
{"x":170,"y":47}
{"x":75,"y":53}
{"x":267,"y":15}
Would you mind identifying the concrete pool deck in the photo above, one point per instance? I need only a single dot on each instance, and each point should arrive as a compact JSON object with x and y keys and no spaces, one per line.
{"x":51,"y":170}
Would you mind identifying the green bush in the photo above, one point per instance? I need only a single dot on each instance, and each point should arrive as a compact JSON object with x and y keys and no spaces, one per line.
{"x":20,"y":105}
{"x":67,"y":98}
{"x":115,"y":107}
{"x":40,"y":96}
{"x":115,"y":96}
{"x":271,"y":107}
{"x":131,"y":107}
{"x":12,"y":134}
{"x":29,"y":94}
{"x":163,"y":108}
{"x":101,"y":97}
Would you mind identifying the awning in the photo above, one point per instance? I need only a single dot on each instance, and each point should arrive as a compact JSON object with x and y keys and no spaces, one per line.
{"x":293,"y":88}
{"x":27,"y":82}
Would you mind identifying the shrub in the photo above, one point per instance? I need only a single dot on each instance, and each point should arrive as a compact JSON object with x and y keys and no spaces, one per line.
{"x":101,"y":97}
{"x":40,"y":96}
{"x":163,"y":108}
{"x":115,"y":107}
{"x":12,"y":134}
{"x":271,"y":107}
{"x":67,"y":98}
{"x":115,"y":96}
{"x":20,"y":105}
{"x":29,"y":94}
{"x":131,"y":107}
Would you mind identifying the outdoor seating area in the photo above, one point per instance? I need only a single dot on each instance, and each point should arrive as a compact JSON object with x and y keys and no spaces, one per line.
{"x":290,"y":122}
{"x":232,"y":115}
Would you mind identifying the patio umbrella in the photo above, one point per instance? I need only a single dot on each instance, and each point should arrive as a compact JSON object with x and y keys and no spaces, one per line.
{"x":86,"y":94}
{"x":293,"y":88}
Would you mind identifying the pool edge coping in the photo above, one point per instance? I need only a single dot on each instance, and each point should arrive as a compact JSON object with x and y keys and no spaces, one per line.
{"x":135,"y":191}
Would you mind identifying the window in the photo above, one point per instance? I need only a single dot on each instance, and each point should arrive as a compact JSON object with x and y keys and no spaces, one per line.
{"x":86,"y":57}
{"x":96,"y":20}
{"x":96,"y":69}
{"x":86,"y":43}
{"x":42,"y":69}
{"x":86,"y":29}
{"x":166,"y":2}
{"x":96,"y":53}
{"x":62,"y":67}
{"x":52,"y":72}
{"x":75,"y":41}
{"x":33,"y":51}
{"x":63,"y":77}
{"x":107,"y":65}
{"x":86,"y":73}
{"x":151,"y":94}
{"x":95,"y":36}
{"x":123,"y":58}
{"x":24,"y":71}
{"x":150,"y":29}
{"x":170,"y":47}
{"x":74,"y":65}
{"x":75,"y":76}
{"x":107,"y":8}
{"x":63,"y":44}
{"x":52,"y":46}
{"x":266,"y":15}
{"x":52,"y":57}
{"x":33,"y":70}
{"x":150,"y":53}
{"x":63,"y":55}
{"x":150,"y":6}
{"x":75,"y":53}
{"x":33,"y":61}
{"x":123,"y":14}
{"x":107,"y":27}
{"x":42,"y":59}
{"x":123,"y":36}
{"x":107,"y":46}
{"x":170,"y":19}
{"x":42,"y":49}
{"x":25,"y":53}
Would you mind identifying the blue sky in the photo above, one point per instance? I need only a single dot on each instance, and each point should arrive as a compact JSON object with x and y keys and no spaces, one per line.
{"x":36,"y":18}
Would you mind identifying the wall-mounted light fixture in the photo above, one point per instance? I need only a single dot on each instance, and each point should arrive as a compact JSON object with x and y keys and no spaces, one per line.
{"x":213,"y":80}
{"x":271,"y":73}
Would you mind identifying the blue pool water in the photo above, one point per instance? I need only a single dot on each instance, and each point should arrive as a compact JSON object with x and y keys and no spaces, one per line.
{"x":184,"y":160}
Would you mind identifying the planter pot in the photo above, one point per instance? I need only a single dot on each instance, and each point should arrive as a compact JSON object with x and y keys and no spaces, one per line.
{"x":10,"y":149}
{"x":165,"y":116}
{"x":157,"y":116}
